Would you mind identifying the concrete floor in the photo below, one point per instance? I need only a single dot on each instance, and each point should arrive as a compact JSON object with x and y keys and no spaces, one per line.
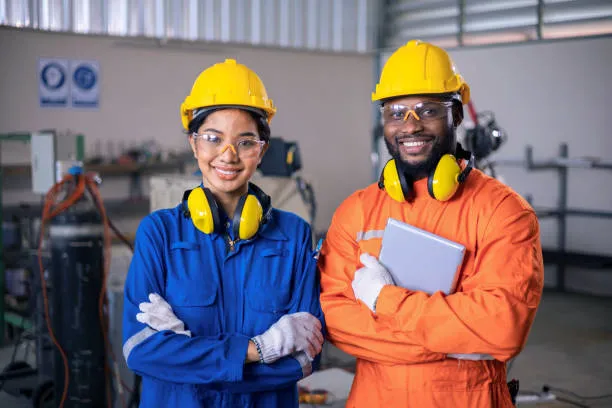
{"x":570,"y":347}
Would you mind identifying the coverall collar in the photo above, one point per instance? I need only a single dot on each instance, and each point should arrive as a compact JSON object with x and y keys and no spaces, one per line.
{"x":271,"y":231}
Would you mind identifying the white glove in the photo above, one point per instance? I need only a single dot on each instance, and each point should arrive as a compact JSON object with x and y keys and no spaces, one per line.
{"x":369,"y":280}
{"x":159,"y":316}
{"x":290,"y":334}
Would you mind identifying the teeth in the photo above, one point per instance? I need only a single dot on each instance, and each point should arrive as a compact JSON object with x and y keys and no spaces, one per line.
{"x":414,"y":144}
{"x":226,"y":172}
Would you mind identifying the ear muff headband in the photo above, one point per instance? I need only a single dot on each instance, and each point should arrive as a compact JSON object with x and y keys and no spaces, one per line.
{"x":251,"y":212}
{"x":470,"y":157}
{"x":442,"y":182}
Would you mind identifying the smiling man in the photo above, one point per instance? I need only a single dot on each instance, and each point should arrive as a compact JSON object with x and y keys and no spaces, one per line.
{"x":417,"y":349}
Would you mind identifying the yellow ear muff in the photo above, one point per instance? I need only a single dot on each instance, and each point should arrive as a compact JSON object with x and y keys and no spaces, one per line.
{"x":248,"y":217}
{"x":444,"y":181}
{"x":200,"y":211}
{"x":391,"y":182}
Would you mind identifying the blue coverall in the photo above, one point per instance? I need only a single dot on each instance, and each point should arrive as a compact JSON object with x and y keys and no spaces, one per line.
{"x":224,"y":296}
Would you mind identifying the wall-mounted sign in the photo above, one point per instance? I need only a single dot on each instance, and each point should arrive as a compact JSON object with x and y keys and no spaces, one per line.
{"x":63,"y":83}
{"x":53,"y":82}
{"x":85,"y":84}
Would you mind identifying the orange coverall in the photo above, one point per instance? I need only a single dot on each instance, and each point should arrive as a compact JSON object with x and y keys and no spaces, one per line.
{"x":402,"y":349}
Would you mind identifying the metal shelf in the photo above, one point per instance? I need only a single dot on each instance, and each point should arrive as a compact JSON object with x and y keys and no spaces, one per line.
{"x":560,"y":256}
{"x":106,"y":170}
{"x":590,"y":261}
{"x":553,"y":212}
{"x":116,"y":208}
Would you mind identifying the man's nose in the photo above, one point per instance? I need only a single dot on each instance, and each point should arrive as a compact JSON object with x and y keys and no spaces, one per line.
{"x":411,"y":123}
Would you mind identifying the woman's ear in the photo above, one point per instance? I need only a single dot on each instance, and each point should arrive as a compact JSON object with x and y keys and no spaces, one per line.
{"x":193,"y":146}
{"x":263,"y":151}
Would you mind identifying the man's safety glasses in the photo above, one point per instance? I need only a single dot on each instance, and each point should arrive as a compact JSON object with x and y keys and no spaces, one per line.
{"x":423,"y":111}
{"x":212,"y":144}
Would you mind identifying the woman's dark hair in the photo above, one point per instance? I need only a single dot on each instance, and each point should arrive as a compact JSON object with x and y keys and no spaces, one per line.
{"x":262,"y":124}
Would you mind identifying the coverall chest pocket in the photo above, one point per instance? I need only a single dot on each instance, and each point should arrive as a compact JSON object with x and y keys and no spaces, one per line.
{"x":192,"y":290}
{"x":269,"y":291}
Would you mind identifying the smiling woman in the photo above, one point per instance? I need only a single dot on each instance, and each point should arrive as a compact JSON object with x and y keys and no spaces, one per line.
{"x":222,"y":300}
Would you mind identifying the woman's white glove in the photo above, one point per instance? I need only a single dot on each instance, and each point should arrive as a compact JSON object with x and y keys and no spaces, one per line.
{"x":159,"y":316}
{"x":292,"y":333}
{"x":369,"y":280}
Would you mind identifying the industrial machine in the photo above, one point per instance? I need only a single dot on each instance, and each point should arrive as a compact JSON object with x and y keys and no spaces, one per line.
{"x":75,"y":365}
{"x":77,"y":281}
{"x":74,"y":233}
{"x":483,"y":138}
{"x":49,"y":151}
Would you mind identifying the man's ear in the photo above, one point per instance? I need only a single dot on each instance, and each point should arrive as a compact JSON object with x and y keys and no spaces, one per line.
{"x":457,"y":114}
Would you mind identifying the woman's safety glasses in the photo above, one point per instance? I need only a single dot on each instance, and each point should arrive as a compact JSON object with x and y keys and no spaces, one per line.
{"x":212,"y":144}
{"x":424,"y":111}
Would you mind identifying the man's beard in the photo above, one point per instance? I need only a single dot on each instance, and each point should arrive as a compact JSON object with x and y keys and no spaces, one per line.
{"x":416,"y":171}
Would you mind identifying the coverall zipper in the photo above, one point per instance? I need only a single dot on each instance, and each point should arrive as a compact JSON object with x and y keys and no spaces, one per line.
{"x":229,"y":243}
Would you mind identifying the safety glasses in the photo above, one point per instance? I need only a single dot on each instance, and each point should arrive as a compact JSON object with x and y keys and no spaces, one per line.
{"x":212,"y":144}
{"x":424,"y":111}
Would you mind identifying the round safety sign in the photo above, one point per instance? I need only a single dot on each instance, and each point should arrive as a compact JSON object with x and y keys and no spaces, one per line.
{"x":53,"y":76}
{"x":84,"y":77}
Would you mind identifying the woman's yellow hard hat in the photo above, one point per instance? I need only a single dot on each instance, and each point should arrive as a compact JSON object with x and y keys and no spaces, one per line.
{"x":227,"y":84}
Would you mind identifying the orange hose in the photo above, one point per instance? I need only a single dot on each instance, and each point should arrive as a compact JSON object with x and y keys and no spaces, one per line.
{"x":47,"y":215}
{"x":102,"y":298}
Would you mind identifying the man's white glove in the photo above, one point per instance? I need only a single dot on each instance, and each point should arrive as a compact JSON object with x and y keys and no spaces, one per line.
{"x":369,"y":280}
{"x":290,"y":334}
{"x":159,"y":316}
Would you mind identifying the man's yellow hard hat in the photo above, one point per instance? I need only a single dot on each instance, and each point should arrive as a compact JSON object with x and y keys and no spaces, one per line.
{"x":227,"y":83}
{"x":420,"y":68}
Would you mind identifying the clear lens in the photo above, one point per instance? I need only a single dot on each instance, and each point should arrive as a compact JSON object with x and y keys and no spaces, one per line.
{"x":213,"y":144}
{"x":424,"y":111}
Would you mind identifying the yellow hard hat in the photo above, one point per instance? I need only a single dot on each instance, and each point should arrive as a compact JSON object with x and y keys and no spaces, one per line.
{"x":227,"y":84}
{"x":420,"y":68}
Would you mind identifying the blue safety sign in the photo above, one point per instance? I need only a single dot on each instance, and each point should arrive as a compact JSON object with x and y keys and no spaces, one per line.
{"x":53,"y":83}
{"x":85,"y":86}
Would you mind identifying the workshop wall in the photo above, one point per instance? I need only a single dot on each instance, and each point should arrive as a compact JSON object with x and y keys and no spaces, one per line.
{"x":323,"y":101}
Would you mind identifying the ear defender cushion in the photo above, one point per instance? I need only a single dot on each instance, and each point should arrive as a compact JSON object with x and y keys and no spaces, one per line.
{"x":394,"y":182}
{"x":203,"y":210}
{"x":247,"y":217}
{"x":443,"y":182}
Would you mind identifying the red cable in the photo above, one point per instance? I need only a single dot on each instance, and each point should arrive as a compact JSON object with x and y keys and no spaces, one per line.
{"x":472,"y":112}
